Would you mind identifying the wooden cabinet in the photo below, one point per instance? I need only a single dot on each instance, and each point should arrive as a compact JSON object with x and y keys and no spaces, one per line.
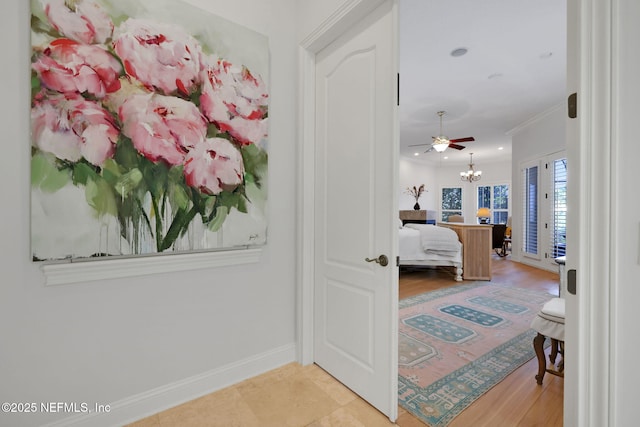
{"x":418,"y":217}
{"x":414,"y":216}
{"x":476,"y":249}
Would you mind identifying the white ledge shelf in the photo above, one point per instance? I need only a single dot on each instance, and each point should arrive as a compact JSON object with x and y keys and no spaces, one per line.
{"x":104,"y":269}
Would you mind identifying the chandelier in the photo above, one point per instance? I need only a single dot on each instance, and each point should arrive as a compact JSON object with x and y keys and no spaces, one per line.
{"x":471,"y":175}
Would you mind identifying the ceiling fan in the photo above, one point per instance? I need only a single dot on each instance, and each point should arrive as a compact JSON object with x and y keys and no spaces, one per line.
{"x":441,"y":142}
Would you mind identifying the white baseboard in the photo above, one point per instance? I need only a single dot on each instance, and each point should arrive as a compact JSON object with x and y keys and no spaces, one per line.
{"x":142,"y":405}
{"x":542,"y":265}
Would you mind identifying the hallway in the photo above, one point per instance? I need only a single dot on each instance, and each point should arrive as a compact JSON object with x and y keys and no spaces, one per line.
{"x":306,"y":396}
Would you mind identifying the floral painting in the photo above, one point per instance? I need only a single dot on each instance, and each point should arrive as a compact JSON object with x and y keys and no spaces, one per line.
{"x":149,"y":126}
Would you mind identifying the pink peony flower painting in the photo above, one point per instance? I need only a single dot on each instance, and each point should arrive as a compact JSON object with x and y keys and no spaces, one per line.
{"x":149,"y":129}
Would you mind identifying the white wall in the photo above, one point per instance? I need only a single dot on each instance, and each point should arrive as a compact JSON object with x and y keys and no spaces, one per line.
{"x":312,"y":13}
{"x":414,"y":172}
{"x":625,"y":225}
{"x":106,"y":341}
{"x":417,"y":173}
{"x":492,"y":174}
{"x":541,"y":136}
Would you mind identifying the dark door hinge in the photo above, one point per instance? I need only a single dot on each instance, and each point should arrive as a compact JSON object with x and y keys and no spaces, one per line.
{"x":571,"y":282}
{"x":572,"y":106}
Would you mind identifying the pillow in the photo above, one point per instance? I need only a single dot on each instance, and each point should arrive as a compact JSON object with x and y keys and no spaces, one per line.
{"x":400,"y":223}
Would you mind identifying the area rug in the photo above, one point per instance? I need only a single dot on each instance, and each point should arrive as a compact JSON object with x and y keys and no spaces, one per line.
{"x":458,"y":342}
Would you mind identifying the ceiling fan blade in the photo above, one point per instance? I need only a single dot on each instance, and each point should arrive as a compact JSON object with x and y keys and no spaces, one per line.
{"x":456,"y":147}
{"x":418,"y":145}
{"x":430,"y":149}
{"x":467,"y":139}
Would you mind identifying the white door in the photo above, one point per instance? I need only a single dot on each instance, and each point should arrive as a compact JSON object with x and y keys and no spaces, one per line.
{"x":355,"y":301}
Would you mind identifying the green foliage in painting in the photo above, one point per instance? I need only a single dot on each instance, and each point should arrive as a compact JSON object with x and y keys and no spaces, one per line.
{"x":44,"y":174}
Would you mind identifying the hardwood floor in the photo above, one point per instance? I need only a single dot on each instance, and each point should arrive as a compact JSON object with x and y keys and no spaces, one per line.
{"x":517,"y":400}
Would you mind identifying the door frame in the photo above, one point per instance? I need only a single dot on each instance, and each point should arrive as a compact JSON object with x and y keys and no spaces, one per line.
{"x":590,"y":329}
{"x":591,"y":336}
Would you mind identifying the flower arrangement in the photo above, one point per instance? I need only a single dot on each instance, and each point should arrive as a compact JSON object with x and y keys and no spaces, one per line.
{"x":416,"y":192}
{"x":156,"y":129}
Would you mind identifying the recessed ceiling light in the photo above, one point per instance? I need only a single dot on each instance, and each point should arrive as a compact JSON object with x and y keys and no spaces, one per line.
{"x":546,"y":55}
{"x":416,"y":154}
{"x":446,"y":157}
{"x":500,"y":148}
{"x":459,"y":51}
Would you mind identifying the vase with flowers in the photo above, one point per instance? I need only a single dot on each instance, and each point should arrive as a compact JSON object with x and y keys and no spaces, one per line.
{"x":416,"y":192}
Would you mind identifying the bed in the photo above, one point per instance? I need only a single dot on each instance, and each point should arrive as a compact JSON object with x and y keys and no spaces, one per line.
{"x":430,"y":245}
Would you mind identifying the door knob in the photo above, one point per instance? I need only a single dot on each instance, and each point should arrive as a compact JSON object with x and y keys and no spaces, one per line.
{"x":382,"y":260}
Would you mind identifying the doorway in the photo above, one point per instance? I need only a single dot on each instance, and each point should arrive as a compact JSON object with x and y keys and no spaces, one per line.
{"x":591,"y":18}
{"x":544,"y":214}
{"x":463,"y":104}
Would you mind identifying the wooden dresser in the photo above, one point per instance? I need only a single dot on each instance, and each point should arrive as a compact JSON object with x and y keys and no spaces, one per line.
{"x":476,"y":249}
{"x":417,"y":216}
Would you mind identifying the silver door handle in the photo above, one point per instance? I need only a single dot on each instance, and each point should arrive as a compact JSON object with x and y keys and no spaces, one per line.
{"x":382,"y":260}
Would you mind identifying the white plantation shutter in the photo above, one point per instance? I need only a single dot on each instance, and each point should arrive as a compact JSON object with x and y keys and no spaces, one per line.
{"x":530,"y":185}
{"x":558,"y":206}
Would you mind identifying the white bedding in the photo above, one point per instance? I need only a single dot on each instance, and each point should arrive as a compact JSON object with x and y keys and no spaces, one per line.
{"x":410,"y":247}
{"x":437,"y":239}
{"x":411,"y":250}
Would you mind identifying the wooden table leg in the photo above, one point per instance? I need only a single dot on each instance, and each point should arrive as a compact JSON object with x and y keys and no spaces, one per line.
{"x":538,"y":346}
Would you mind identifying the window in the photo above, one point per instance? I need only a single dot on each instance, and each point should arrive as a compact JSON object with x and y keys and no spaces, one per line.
{"x":451,"y":202}
{"x":496,"y":198}
{"x":484,"y":197}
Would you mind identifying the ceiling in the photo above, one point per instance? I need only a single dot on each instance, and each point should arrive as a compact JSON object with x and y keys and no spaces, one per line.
{"x":514,"y":69}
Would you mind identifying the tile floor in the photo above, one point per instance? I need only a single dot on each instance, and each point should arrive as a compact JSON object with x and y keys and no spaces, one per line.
{"x":291,"y":396}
